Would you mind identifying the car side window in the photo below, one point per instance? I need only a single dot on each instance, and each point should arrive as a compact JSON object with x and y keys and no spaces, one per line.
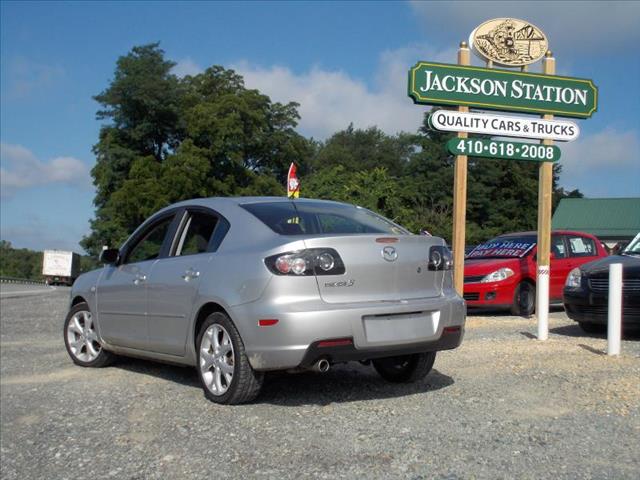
{"x":557,"y":247}
{"x":150,"y":245}
{"x":196,"y":234}
{"x":582,"y":246}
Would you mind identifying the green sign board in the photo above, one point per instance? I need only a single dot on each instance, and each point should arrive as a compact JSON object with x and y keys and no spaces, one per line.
{"x":444,"y":84}
{"x":480,"y":147}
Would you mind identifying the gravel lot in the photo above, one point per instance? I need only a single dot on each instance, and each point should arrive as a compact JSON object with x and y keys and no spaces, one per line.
{"x":501,"y":406}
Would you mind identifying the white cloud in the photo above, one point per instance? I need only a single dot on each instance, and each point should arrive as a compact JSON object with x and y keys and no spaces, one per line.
{"x":606,"y":163}
{"x":186,"y":66}
{"x":332,"y":99}
{"x":582,"y":27}
{"x":19,"y":168}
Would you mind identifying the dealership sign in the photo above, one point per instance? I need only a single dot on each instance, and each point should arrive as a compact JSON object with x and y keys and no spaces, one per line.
{"x":510,"y":42}
{"x":505,"y":248}
{"x":504,"y":126}
{"x":482,"y":147}
{"x":444,"y":84}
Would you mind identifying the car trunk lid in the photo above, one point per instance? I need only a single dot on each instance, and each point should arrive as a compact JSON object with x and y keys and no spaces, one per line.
{"x":379,"y":268}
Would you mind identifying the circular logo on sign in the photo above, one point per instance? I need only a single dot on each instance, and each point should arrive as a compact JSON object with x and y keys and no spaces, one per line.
{"x":509,"y":42}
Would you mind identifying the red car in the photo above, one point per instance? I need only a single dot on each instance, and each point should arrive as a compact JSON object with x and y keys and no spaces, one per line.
{"x":501,"y":273}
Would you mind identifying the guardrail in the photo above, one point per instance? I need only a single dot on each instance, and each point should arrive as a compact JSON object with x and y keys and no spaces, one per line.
{"x":21,"y":280}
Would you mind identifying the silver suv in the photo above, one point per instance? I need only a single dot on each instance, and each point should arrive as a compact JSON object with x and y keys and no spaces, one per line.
{"x":240,"y":286}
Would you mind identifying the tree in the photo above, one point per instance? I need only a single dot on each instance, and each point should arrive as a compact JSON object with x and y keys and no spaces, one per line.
{"x":168,"y":139}
{"x":19,"y":262}
{"x":418,"y":188}
{"x":357,"y":149}
{"x":27,"y":264}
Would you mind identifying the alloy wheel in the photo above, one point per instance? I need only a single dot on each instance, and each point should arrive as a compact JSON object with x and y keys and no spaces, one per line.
{"x":82,"y":337}
{"x":217,"y":359}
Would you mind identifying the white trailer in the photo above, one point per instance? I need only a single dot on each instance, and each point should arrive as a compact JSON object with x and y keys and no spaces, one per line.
{"x":60,"y":267}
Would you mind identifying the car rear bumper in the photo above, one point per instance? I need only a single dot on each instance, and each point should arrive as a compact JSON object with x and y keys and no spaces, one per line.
{"x":377,"y":329}
{"x":346,"y":353}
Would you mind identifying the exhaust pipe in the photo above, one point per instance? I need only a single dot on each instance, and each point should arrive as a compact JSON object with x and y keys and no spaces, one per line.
{"x":322,"y":365}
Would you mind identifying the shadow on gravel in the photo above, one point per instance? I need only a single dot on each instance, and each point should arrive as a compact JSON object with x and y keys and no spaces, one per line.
{"x":342,"y":384}
{"x":494,"y":312}
{"x":591,"y":349}
{"x":183,"y":375}
{"x":575,"y":331}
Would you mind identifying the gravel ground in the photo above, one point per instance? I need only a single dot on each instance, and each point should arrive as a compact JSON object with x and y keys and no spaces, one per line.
{"x":503,"y":405}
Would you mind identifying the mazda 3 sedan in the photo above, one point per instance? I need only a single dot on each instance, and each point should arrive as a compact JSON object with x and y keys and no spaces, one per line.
{"x":239,"y":286}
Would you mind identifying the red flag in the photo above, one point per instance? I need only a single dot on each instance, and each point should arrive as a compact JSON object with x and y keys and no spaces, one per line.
{"x":293,"y":184}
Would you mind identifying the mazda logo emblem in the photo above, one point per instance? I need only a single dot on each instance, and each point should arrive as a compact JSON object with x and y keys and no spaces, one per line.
{"x":389,"y":254}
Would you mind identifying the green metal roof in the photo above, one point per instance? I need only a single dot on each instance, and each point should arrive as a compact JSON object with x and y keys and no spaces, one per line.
{"x":603,"y":217}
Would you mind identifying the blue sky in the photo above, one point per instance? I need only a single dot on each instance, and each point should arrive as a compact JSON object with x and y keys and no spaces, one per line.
{"x":344,"y":62}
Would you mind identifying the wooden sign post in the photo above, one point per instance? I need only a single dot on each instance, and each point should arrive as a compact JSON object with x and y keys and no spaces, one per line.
{"x":511,"y":43}
{"x":545,"y":196}
{"x":460,"y":195}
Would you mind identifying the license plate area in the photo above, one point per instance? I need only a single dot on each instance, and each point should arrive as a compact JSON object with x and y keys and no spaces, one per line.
{"x":400,"y":328}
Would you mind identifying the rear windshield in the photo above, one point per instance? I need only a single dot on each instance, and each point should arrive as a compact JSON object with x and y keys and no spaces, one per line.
{"x":504,"y":247}
{"x":307,"y":218}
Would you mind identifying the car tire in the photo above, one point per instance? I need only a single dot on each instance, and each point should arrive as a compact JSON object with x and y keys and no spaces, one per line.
{"x":405,"y":368}
{"x":524,"y":300}
{"x":81,"y":339}
{"x":223,"y":367}
{"x":589,"y":327}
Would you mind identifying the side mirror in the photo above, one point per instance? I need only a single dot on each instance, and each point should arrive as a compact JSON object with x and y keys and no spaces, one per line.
{"x":110,"y":256}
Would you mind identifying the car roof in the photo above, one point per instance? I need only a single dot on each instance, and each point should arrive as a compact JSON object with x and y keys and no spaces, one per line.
{"x":218,"y":203}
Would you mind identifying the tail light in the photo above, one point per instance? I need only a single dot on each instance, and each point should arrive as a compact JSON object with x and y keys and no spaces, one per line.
{"x":440,"y":258}
{"x":311,"y":261}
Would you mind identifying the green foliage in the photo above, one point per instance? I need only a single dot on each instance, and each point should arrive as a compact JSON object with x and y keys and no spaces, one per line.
{"x":27,"y":264}
{"x":167,"y":139}
{"x":415,"y":185}
{"x":364,"y":150}
{"x":19,"y":262}
{"x":88,"y":263}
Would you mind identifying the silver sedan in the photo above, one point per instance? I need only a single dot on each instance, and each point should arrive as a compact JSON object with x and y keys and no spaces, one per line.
{"x":239,"y":286}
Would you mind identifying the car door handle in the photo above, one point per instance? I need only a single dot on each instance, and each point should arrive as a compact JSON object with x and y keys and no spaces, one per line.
{"x":139,"y":279}
{"x":189,"y":274}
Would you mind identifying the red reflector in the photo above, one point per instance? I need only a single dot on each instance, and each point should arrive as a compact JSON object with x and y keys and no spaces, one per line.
{"x":386,"y":240}
{"x":451,"y":330}
{"x":267,"y":322}
{"x":335,"y":343}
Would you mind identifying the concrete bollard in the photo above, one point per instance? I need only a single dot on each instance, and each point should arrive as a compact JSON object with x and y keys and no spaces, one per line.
{"x":614,"y":321}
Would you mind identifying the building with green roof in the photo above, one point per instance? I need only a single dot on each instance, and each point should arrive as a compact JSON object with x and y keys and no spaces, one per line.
{"x":612,"y":220}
